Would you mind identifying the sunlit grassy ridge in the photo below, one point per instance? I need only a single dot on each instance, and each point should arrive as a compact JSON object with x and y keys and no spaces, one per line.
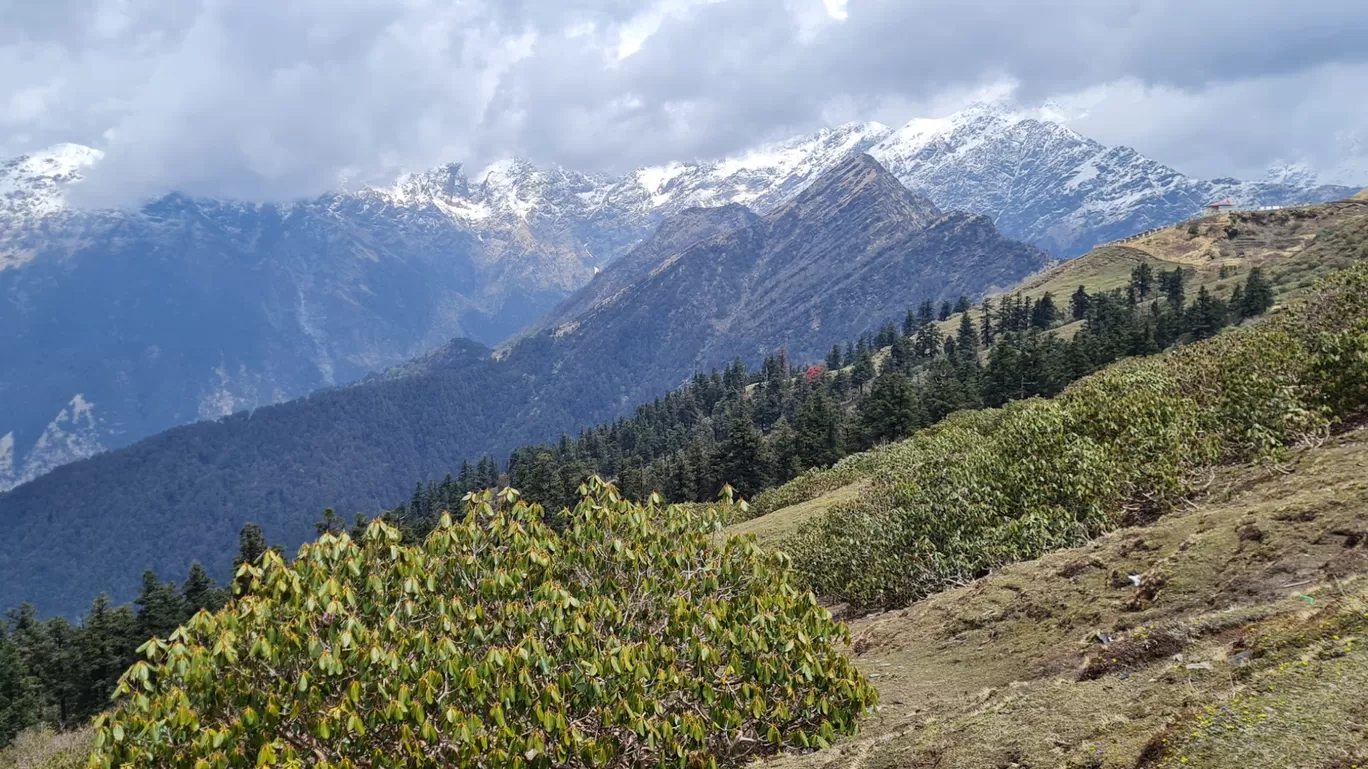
{"x":990,"y":487}
{"x":1064,"y":661}
{"x":1228,"y":633}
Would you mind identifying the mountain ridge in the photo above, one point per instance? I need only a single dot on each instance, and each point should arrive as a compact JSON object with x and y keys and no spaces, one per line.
{"x":363,"y":445}
{"x":284,"y":299}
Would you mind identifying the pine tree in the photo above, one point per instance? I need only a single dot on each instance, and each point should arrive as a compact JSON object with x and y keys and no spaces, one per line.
{"x":105,"y":648}
{"x":833,"y":360}
{"x":909,"y":324}
{"x":1142,"y":279}
{"x":743,"y":458}
{"x":928,"y":341}
{"x":332,"y":523}
{"x":20,"y":702}
{"x":34,"y":667}
{"x":1207,"y":314}
{"x":892,"y":410}
{"x":863,"y":370}
{"x":966,"y":340}
{"x":540,"y":480}
{"x":251,"y":546}
{"x":986,"y":323}
{"x":1172,"y":285}
{"x":783,"y":448}
{"x":886,"y":336}
{"x":901,"y":355}
{"x":1258,"y":295}
{"x":962,"y":305}
{"x":819,"y":429}
{"x":926,"y":313}
{"x":945,"y":311}
{"x":199,"y":592}
{"x":1237,"y":301}
{"x":1079,"y":303}
{"x":945,"y":390}
{"x":160,"y":608}
{"x":1043,"y":315}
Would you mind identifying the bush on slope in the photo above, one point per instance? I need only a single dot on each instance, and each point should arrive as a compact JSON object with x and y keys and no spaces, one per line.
{"x":631,"y":638}
{"x":991,"y":487}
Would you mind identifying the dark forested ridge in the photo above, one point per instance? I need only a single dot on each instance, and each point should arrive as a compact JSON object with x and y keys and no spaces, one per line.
{"x":842,"y":258}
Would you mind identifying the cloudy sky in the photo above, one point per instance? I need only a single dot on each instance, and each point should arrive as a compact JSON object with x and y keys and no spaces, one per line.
{"x":281,"y":98}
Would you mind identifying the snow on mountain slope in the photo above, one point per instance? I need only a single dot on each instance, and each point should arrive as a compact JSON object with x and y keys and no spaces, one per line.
{"x":75,"y":433}
{"x":190,"y":308}
{"x":1046,"y":184}
{"x":31,"y":185}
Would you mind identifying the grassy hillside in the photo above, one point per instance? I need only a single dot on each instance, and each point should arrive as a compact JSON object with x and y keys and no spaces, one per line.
{"x":1243,"y":645}
{"x":1225,"y":627}
{"x":1293,"y":246}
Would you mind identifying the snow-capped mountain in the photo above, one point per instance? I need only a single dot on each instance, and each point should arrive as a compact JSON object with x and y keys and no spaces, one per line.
{"x":191,"y":309}
{"x":1048,"y":185}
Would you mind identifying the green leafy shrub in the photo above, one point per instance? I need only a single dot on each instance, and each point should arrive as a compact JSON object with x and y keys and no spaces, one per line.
{"x":992,"y":487}
{"x":818,"y":481}
{"x":632,"y":638}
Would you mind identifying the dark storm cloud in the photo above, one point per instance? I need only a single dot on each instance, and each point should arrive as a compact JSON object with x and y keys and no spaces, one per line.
{"x":278,"y":98}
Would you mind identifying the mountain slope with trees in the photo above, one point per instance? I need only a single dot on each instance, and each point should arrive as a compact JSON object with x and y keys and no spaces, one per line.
{"x":125,"y":323}
{"x":744,"y":293}
{"x":760,"y":429}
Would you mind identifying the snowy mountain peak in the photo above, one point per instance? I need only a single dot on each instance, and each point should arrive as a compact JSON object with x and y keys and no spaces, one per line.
{"x":32,"y":185}
{"x":1293,"y":173}
{"x":802,"y":154}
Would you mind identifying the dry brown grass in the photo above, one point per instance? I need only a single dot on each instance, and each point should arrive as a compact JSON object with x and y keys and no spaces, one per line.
{"x":1064,"y":662}
{"x":40,"y":748}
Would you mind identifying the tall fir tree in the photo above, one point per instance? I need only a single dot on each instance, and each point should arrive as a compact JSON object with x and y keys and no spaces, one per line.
{"x":743,"y":458}
{"x":966,"y":339}
{"x":1079,"y":303}
{"x":1258,"y":295}
{"x":892,"y":410}
{"x":821,"y":441}
{"x":1044,"y":314}
{"x":160,"y":608}
{"x":1142,"y":279}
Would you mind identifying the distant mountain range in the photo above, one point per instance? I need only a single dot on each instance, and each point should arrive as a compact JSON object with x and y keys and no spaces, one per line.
{"x":122,"y":324}
{"x":847,"y":254}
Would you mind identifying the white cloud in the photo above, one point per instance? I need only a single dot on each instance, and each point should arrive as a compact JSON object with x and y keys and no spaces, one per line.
{"x":277,"y":98}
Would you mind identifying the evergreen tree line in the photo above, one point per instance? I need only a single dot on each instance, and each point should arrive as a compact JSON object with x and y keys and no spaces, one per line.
{"x":757,"y":429}
{"x":61,"y":675}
